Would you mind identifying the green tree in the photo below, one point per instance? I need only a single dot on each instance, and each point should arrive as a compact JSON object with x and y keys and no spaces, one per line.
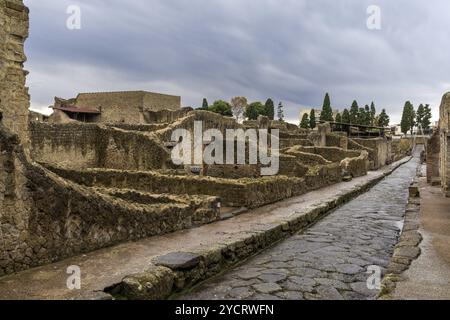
{"x":354,"y":112}
{"x":408,"y":118}
{"x":269,"y":109}
{"x":426,"y":122}
{"x":327,"y":112}
{"x":338,"y":120}
{"x":420,"y":114}
{"x":367,"y":116}
{"x":221,"y":107}
{"x":280,"y":112}
{"x":346,"y":116}
{"x":361,"y":116}
{"x":373,"y":113}
{"x":423,"y":116}
{"x":312,"y":119}
{"x":305,"y":122}
{"x":254,"y":110}
{"x":205,"y":105}
{"x":383,"y":119}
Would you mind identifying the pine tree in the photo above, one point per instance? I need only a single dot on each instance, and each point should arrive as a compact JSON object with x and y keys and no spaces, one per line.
{"x":373,"y":113}
{"x":354,"y":112}
{"x":305,"y":122}
{"x":269,"y":109}
{"x":383,"y":119}
{"x":280,"y":112}
{"x":346,"y":116}
{"x":327,"y":112}
{"x":205,"y":105}
{"x":312,"y":119}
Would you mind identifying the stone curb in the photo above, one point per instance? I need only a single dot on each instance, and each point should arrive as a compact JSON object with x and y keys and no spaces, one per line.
{"x":168,"y":275}
{"x":407,"y":249}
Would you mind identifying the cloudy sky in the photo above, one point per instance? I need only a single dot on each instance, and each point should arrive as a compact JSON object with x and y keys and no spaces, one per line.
{"x":291,"y":50}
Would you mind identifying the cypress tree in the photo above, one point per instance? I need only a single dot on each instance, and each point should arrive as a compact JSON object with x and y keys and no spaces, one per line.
{"x":312,"y":119}
{"x":305,"y":122}
{"x":346,"y":116}
{"x":408,"y":118}
{"x":327,"y":112}
{"x":205,"y":105}
{"x":426,"y":121}
{"x":373,"y":113}
{"x":383,"y":119}
{"x":269,"y":109}
{"x":338,"y":120}
{"x":354,"y":112}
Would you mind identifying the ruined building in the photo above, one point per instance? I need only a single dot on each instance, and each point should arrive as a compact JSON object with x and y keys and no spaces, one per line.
{"x":444,"y":126}
{"x":71,"y":188}
{"x":113,"y":107}
{"x":438,"y":151}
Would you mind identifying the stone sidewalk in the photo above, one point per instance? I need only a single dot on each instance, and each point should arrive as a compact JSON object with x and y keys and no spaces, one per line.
{"x":429,"y":275}
{"x":107,"y":267}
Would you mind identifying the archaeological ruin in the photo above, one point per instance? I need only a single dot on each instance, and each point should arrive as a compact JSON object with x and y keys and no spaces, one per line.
{"x":438,"y":152}
{"x":133,"y":107}
{"x":69,"y":187}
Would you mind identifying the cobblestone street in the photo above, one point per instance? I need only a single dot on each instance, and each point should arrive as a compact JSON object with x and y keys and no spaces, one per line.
{"x":329,"y":260}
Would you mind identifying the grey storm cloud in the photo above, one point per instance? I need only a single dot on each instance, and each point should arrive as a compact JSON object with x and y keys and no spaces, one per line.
{"x":290,"y":50}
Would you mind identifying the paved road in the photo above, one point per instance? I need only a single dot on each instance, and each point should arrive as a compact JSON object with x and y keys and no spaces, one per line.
{"x":330,"y":260}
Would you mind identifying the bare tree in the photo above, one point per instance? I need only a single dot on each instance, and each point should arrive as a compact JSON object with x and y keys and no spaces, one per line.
{"x":238,"y":105}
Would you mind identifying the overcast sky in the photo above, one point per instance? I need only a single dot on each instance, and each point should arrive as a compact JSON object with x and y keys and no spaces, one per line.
{"x":290,"y":50}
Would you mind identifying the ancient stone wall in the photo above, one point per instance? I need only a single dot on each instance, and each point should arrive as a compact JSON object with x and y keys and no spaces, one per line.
{"x":444,"y":125}
{"x":78,"y":145}
{"x":337,"y":140}
{"x":14,"y":98}
{"x":45,"y":218}
{"x":433,"y":153}
{"x":250,"y":193}
{"x":379,"y":154}
{"x":165,"y":116}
